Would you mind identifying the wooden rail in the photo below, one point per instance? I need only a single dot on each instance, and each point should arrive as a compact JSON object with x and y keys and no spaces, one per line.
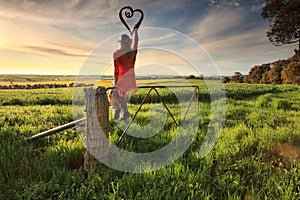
{"x":56,"y":129}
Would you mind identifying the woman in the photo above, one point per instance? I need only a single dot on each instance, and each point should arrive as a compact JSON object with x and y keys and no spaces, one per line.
{"x":124,"y":76}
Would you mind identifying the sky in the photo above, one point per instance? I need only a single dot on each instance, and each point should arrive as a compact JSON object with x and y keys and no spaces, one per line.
{"x":181,"y":36}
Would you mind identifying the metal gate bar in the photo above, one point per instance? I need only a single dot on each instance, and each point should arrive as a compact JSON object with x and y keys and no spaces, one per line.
{"x":135,"y":114}
{"x":161,"y":100}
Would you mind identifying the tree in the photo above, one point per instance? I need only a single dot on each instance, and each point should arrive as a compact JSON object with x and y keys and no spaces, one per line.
{"x":237,"y":77}
{"x":246,"y":79}
{"x":275,"y":71}
{"x":284,"y":19}
{"x":191,"y":77}
{"x":256,"y":72}
{"x":225,"y":79}
{"x":291,"y":74}
{"x":275,"y":74}
{"x":265,"y":78}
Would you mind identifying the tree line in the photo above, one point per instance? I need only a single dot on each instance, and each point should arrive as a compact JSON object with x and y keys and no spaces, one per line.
{"x":278,"y":72}
{"x":43,"y":86}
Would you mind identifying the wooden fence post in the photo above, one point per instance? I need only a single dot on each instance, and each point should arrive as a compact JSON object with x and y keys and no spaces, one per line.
{"x":97,"y":121}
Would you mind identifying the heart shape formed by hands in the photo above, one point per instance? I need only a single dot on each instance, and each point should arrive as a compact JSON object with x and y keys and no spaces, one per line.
{"x":129,"y":14}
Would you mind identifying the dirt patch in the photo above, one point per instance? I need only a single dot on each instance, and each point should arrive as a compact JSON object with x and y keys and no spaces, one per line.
{"x":286,"y":151}
{"x":248,"y":197}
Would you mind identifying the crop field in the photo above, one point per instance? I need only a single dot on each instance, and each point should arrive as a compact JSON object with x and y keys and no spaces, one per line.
{"x":256,"y":156}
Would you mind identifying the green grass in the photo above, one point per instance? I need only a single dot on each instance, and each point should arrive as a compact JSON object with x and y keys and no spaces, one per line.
{"x":244,"y":163}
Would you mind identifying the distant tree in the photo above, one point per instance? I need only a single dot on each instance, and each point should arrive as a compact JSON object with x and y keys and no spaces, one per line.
{"x":291,"y":74}
{"x":265,"y":78}
{"x":275,"y":71}
{"x":225,"y":79}
{"x":201,"y":76}
{"x":294,"y":58}
{"x":237,"y":77}
{"x":246,"y":79}
{"x":284,"y":19}
{"x":191,"y":77}
{"x":256,"y":73}
{"x":275,"y":74}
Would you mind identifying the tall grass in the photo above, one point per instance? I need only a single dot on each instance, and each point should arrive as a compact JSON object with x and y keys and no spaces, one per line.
{"x":59,"y":96}
{"x":245,"y":163}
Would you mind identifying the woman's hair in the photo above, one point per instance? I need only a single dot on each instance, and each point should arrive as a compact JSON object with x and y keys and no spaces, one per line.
{"x":126,"y":42}
{"x":124,"y":38}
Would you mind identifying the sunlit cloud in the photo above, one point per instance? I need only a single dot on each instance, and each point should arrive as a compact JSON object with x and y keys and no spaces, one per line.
{"x":49,"y":25}
{"x":234,"y":43}
{"x":58,"y":36}
{"x":217,"y":24}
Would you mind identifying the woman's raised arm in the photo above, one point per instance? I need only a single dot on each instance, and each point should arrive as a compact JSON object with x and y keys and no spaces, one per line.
{"x":136,"y":37}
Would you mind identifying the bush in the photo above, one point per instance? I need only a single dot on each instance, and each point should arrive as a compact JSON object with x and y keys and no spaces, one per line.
{"x":281,"y":104}
{"x":264,"y":100}
{"x":225,"y":80}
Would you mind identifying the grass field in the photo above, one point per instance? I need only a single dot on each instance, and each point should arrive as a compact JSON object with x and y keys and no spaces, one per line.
{"x":257,"y":155}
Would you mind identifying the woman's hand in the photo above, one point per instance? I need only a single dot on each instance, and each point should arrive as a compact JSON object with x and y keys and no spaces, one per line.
{"x":137,"y":26}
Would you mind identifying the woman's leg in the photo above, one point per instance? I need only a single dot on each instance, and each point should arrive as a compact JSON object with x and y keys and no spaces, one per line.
{"x":124,"y":108}
{"x":116,"y":105}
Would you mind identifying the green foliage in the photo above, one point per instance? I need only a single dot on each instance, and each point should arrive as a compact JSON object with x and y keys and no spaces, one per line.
{"x":243,"y":164}
{"x":265,"y":100}
{"x":282,"y":104}
{"x":59,"y":96}
{"x":270,"y":100}
{"x":283,"y":17}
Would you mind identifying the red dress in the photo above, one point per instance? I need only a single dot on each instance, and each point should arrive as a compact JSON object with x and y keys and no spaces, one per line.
{"x":124,"y":70}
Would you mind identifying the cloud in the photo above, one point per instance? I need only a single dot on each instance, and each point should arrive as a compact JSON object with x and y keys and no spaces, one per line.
{"x":222,"y":3}
{"x":243,"y":50}
{"x":66,"y":9}
{"x":230,"y":30}
{"x":236,"y":40}
{"x":257,"y":7}
{"x":54,"y":51}
{"x":19,"y":33}
{"x":218,"y":23}
{"x":157,"y":37}
{"x":45,"y":27}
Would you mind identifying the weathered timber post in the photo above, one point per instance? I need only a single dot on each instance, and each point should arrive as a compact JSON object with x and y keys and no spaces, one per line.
{"x":97,"y":121}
